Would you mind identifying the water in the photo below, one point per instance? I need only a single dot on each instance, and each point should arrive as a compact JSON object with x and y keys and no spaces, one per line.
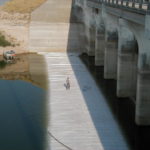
{"x":123,"y":109}
{"x":23,"y":103}
{"x":3,"y":1}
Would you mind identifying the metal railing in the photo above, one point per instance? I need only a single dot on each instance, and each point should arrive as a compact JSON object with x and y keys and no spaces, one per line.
{"x":136,"y":5}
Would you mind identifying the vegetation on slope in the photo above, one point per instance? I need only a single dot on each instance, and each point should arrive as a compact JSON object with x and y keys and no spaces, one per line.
{"x":22,"y":6}
{"x":3,"y":41}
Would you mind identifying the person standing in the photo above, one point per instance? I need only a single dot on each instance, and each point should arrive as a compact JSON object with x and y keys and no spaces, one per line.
{"x":67,"y":83}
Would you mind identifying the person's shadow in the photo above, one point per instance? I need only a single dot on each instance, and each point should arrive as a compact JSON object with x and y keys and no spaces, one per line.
{"x":65,"y":85}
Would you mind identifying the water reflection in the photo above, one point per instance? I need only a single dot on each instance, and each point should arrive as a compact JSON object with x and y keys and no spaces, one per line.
{"x":123,"y":109}
{"x":2,"y":64}
{"x":27,"y":67}
{"x":23,"y":104}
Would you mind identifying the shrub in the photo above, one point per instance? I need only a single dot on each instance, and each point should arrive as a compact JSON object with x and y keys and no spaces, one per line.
{"x":3,"y":41}
{"x":2,"y":64}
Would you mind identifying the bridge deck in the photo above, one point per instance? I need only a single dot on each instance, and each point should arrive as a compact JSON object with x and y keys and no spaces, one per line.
{"x":79,"y":118}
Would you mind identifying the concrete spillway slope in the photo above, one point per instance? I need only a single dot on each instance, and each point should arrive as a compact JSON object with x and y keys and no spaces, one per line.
{"x":79,"y":118}
{"x":51,"y":30}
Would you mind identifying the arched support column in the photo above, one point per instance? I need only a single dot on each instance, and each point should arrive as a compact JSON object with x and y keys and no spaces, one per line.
{"x":143,"y":87}
{"x":85,"y":38}
{"x":143,"y":97}
{"x":110,"y":55}
{"x":77,"y":13}
{"x":127,"y":62}
{"x":142,"y":115}
{"x":86,"y":28}
{"x":99,"y":47}
{"x":92,"y":36}
{"x":92,"y":31}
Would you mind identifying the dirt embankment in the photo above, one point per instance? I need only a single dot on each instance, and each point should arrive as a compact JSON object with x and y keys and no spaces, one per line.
{"x":22,"y":6}
{"x":14,"y":23}
{"x":14,"y":27}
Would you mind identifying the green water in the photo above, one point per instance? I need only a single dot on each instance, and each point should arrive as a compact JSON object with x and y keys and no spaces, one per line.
{"x":23,"y":123}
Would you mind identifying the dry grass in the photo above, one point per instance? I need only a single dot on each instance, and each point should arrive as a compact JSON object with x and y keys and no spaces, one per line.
{"x":22,"y":6}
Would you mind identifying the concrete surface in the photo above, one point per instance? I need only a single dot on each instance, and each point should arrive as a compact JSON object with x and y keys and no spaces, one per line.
{"x":54,"y":11}
{"x":51,"y":28}
{"x":79,"y":118}
{"x":99,"y":50}
{"x":127,"y":63}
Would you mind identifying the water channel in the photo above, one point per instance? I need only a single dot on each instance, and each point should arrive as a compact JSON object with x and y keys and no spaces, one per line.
{"x":23,"y":103}
{"x":123,"y":109}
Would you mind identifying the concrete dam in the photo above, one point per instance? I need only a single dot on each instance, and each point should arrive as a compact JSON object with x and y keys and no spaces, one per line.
{"x":116,"y":37}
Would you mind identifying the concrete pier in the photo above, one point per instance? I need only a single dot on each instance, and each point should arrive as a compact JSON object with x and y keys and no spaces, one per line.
{"x":127,"y":63}
{"x":99,"y":47}
{"x":143,"y":97}
{"x":92,"y":38}
{"x":111,"y":51}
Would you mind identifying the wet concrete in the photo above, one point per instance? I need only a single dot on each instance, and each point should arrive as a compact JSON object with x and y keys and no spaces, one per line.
{"x":23,"y":103}
{"x":123,"y":109}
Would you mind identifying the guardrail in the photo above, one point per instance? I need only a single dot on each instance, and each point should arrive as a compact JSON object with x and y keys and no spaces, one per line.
{"x":142,"y":6}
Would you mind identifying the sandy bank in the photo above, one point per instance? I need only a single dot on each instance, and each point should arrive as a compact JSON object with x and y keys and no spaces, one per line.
{"x":22,"y":6}
{"x":14,"y":23}
{"x":15,"y":27}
